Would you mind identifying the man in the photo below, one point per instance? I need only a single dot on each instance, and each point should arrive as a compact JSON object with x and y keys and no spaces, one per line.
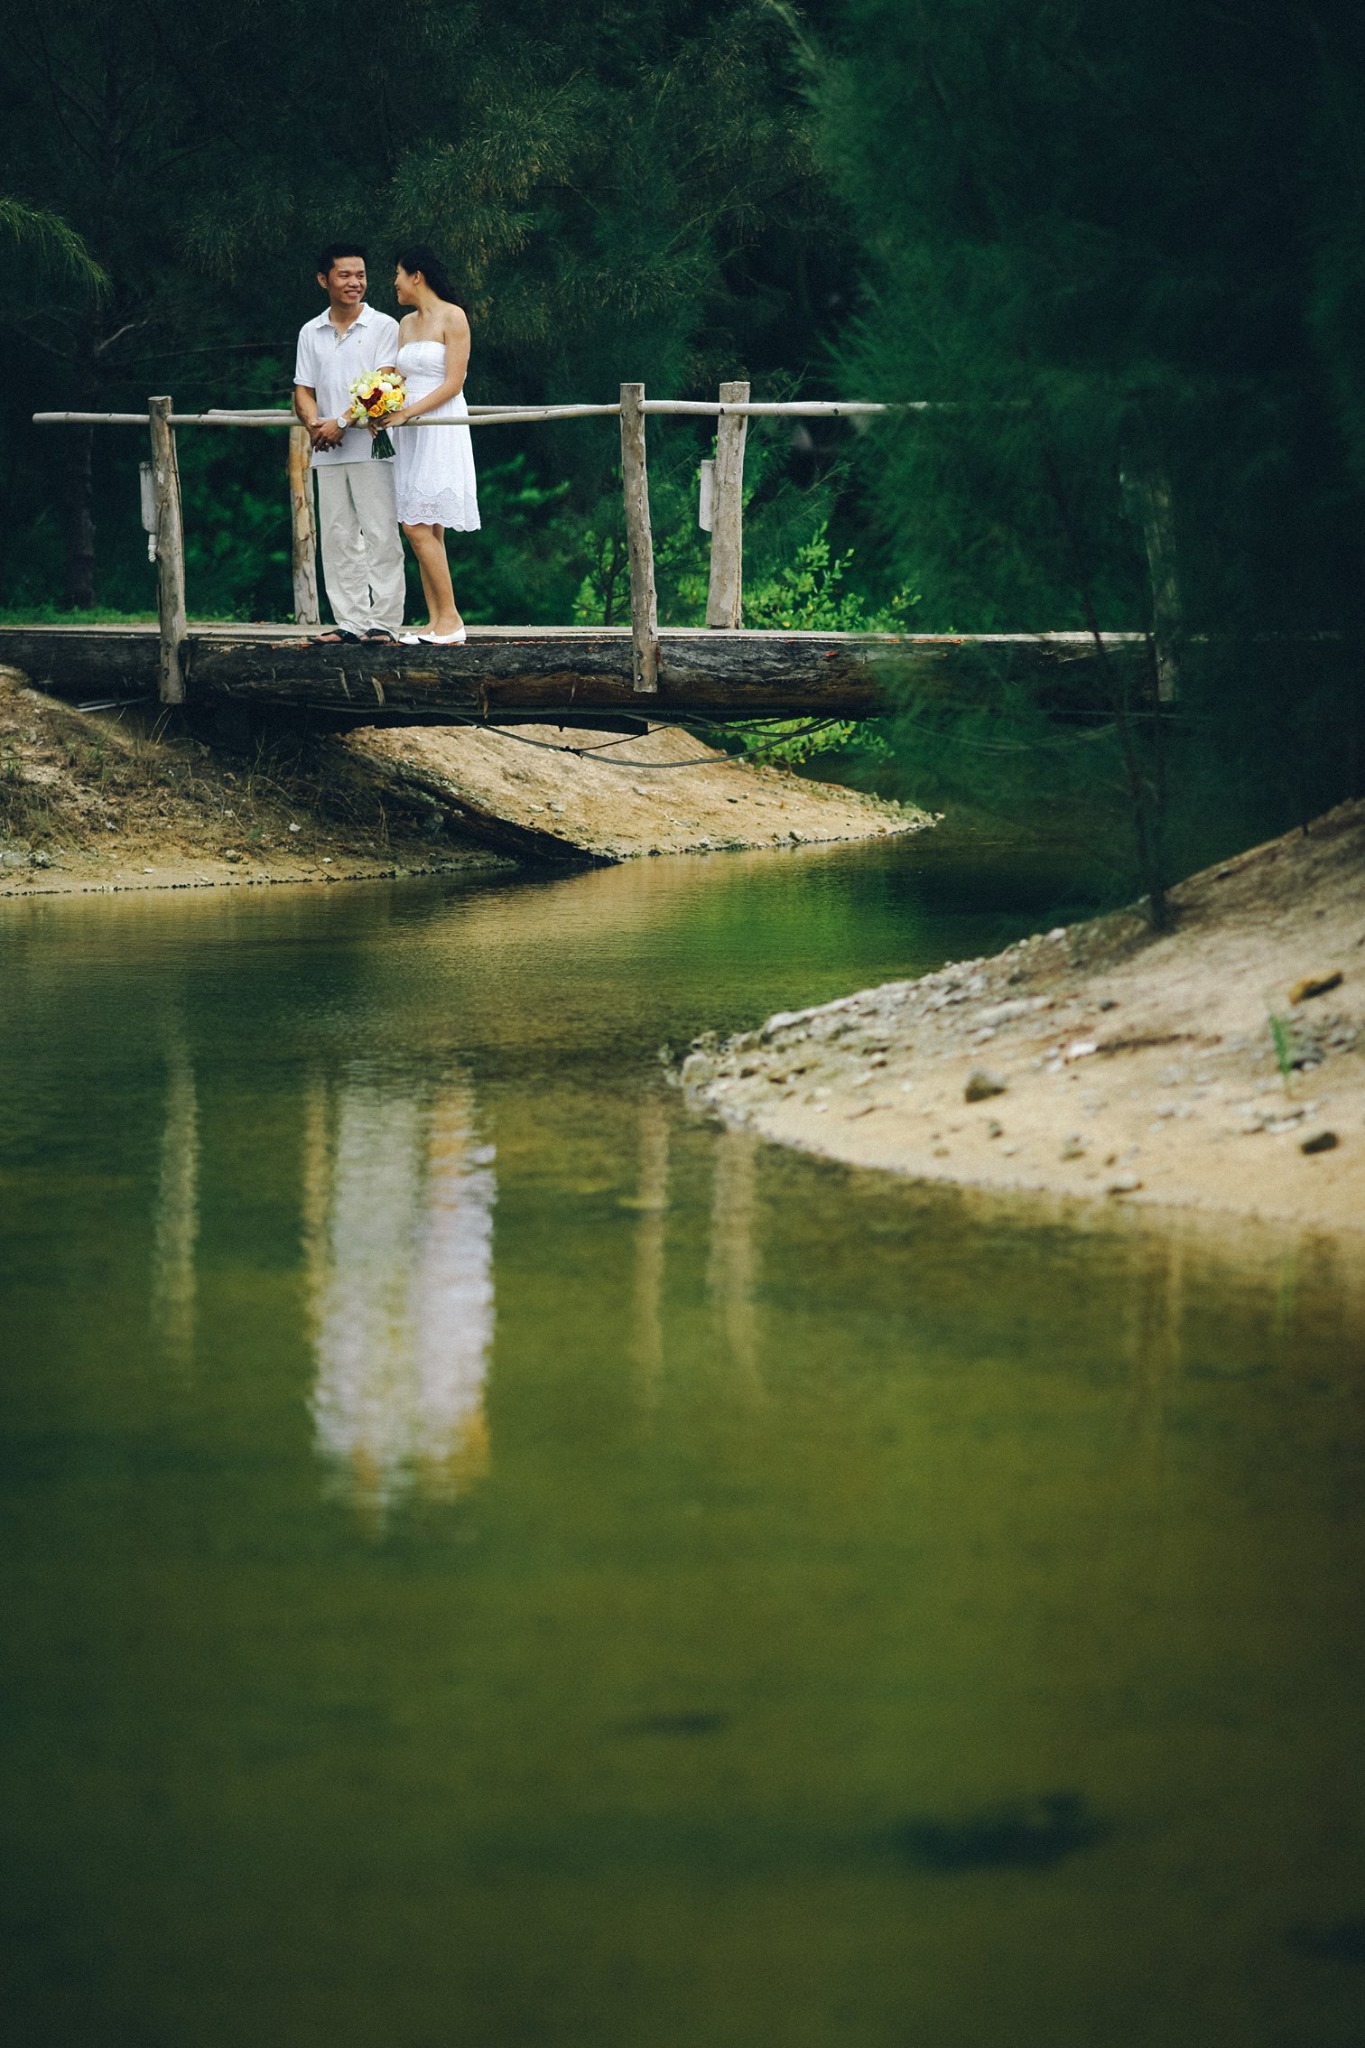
{"x":362,"y":553}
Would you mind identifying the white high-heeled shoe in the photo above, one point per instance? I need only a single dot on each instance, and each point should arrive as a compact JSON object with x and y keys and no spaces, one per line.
{"x":455,"y":639}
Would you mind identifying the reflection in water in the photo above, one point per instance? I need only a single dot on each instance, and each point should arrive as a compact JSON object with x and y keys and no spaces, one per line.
{"x":1157,"y":1323}
{"x":733,"y":1264}
{"x":398,"y":1230}
{"x":176,"y":1216}
{"x":797,"y":1725}
{"x":652,"y":1202}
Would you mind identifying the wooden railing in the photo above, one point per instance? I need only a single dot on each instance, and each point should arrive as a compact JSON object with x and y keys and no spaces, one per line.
{"x":722,"y":494}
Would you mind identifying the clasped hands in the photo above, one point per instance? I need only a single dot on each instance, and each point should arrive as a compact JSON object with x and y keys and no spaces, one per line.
{"x":330,"y":433}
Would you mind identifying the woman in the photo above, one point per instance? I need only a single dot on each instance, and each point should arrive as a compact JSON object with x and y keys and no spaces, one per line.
{"x":434,"y":466}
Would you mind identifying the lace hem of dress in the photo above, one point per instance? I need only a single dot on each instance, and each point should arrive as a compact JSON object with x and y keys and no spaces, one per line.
{"x":456,"y":509}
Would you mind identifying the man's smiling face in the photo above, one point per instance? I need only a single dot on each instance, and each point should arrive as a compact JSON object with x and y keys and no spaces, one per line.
{"x":344,"y":283}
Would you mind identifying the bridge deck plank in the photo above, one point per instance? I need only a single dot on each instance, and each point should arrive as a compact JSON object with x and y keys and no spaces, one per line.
{"x":508,"y":672}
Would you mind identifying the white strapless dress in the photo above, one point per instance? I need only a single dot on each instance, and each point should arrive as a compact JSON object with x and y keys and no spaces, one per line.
{"x":433,"y":471}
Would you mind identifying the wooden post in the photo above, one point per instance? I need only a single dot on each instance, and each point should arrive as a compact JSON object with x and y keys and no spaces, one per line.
{"x":724,"y":599}
{"x":303,"y":535}
{"x":170,"y":553}
{"x":644,"y":610}
{"x":706,"y":495}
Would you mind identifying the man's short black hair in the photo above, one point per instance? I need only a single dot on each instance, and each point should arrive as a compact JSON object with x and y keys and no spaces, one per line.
{"x":334,"y":252}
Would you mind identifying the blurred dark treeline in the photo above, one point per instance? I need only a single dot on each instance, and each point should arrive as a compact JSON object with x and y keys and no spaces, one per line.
{"x":1126,"y":244}
{"x":1122,"y":247}
{"x":622,"y":190}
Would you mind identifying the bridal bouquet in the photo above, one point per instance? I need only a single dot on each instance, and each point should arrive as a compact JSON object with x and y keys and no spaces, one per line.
{"x":375,"y":395}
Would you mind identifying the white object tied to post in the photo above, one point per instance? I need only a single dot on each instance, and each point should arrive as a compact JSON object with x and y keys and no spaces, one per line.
{"x":148,"y":489}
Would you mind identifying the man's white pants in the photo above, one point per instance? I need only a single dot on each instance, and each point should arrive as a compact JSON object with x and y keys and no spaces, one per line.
{"x":362,"y":550}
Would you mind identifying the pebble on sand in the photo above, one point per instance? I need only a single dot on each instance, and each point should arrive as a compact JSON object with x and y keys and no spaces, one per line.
{"x":981,"y":1086}
{"x":1315,"y":985}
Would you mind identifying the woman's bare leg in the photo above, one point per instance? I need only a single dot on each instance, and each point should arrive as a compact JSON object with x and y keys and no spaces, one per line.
{"x":429,"y":546}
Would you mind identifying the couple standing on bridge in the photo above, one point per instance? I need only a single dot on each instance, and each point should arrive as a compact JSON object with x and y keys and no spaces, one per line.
{"x":429,"y":486}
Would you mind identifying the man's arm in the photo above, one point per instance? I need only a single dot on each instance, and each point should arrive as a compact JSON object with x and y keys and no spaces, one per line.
{"x":322,"y":433}
{"x":390,"y":341}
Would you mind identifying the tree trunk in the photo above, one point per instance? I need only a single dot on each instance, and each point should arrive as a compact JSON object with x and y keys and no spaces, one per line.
{"x":80,"y":519}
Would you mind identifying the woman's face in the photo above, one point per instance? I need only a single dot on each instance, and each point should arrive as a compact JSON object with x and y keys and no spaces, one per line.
{"x":405,"y":286}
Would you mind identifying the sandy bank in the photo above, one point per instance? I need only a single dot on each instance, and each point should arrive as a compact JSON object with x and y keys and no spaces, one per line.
{"x":1102,"y":1061}
{"x":620,"y":796}
{"x":94,"y":802}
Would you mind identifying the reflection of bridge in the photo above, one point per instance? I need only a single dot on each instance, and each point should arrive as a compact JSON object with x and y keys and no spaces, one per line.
{"x":397,"y":1199}
{"x":517,"y":672}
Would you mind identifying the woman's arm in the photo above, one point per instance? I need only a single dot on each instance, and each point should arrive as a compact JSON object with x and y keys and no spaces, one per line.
{"x":455,"y":335}
{"x":391,"y":369}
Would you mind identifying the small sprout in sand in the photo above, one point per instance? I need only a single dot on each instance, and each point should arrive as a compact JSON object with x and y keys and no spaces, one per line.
{"x":1283,"y":1038}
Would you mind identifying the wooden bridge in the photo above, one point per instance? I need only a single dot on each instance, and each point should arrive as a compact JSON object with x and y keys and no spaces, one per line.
{"x":506,"y":674}
{"x":516,"y":674}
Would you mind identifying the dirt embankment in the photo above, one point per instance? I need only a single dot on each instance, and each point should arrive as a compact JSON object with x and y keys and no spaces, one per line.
{"x":97,"y":801}
{"x":1220,"y":1066}
{"x":618,"y":795}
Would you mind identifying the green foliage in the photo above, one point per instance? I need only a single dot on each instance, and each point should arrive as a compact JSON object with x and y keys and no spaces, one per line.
{"x":1098,"y":244}
{"x":621,"y":191}
{"x":59,"y":615}
{"x":1282,"y":1038}
{"x":520,"y":565}
{"x":807,"y":594}
{"x":56,"y":246}
{"x":791,"y":742}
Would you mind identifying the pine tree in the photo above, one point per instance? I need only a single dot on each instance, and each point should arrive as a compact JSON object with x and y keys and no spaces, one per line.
{"x":1097,"y":236}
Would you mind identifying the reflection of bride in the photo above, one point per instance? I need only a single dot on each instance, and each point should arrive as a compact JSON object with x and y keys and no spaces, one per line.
{"x":400,"y":1230}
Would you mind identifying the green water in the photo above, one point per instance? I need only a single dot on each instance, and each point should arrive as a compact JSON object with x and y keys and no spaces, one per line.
{"x":489,"y":1558}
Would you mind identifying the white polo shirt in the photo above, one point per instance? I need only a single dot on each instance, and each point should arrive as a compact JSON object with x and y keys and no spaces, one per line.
{"x":329,"y":360}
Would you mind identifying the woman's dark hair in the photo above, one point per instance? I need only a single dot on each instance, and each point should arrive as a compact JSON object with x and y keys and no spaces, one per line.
{"x":421,"y":256}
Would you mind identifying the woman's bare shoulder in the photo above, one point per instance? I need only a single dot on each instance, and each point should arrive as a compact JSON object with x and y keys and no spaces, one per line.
{"x":454,"y":320}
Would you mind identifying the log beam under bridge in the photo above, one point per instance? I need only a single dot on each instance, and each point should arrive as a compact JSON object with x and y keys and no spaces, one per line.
{"x":510,"y":673}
